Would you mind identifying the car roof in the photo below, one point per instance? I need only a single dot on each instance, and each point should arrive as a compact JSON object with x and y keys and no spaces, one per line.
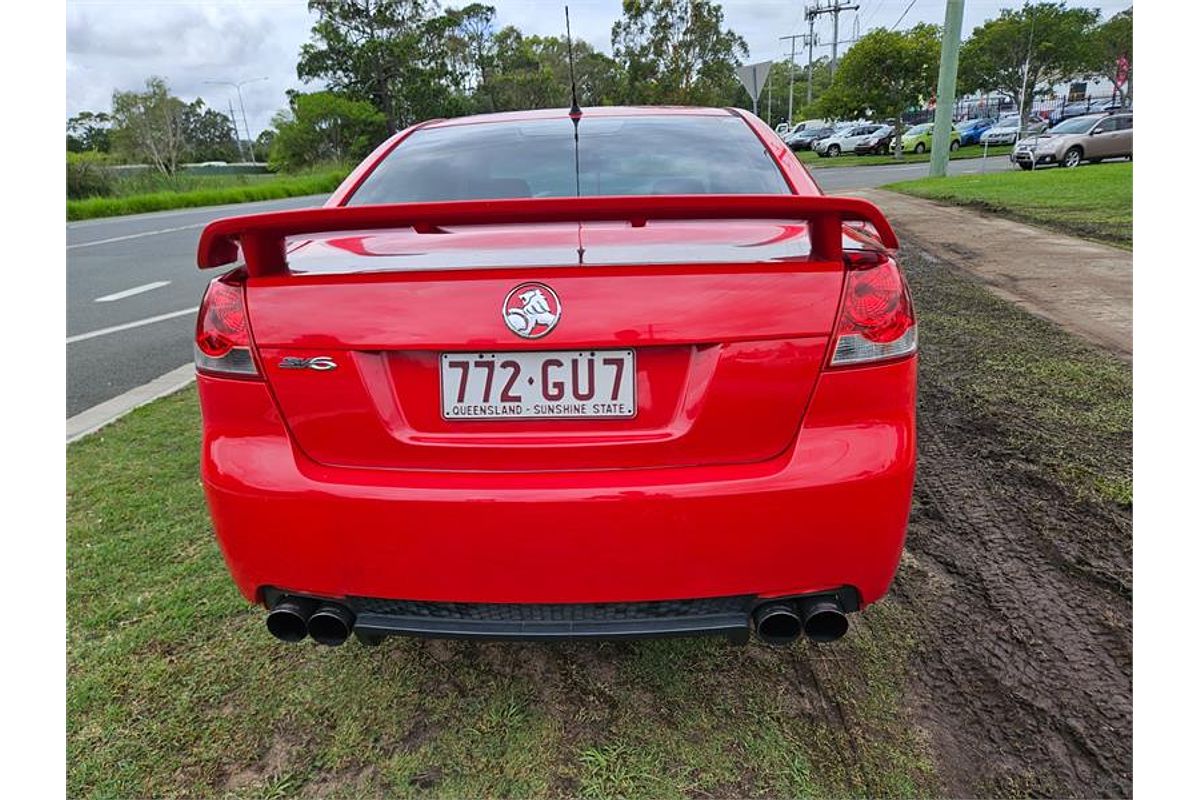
{"x":590,"y":111}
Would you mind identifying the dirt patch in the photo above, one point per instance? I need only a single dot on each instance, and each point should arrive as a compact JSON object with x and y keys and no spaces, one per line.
{"x":1085,"y":287}
{"x":1023,"y":673}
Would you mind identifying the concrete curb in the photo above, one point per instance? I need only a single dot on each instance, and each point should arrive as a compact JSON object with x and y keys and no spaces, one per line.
{"x":96,"y":417}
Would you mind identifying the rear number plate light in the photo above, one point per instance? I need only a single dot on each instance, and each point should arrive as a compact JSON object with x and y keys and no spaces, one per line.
{"x":557,"y":384}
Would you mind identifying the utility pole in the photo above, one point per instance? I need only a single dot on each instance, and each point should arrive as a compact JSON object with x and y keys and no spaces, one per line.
{"x":947,"y":89}
{"x":792,"y":73}
{"x":810,"y":40}
{"x":835,"y":7}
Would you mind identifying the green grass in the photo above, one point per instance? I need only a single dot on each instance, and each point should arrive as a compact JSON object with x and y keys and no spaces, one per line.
{"x":202,"y":190}
{"x":175,"y":688}
{"x":1045,"y":402}
{"x":1095,"y":200}
{"x":813,"y":161}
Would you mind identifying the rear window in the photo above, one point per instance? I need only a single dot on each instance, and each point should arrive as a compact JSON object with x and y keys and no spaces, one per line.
{"x":536,"y":158}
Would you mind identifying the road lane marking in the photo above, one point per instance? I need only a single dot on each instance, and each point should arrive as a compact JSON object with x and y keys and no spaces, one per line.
{"x":145,"y":287}
{"x":126,"y":326}
{"x":96,"y":417}
{"x":136,"y":235}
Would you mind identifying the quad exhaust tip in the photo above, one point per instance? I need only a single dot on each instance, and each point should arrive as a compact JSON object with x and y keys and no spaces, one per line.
{"x":288,"y":620}
{"x":295,"y":618}
{"x":780,"y":622}
{"x":331,"y":624}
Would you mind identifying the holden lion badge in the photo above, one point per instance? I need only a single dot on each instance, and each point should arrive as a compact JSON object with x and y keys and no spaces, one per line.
{"x":531,"y":310}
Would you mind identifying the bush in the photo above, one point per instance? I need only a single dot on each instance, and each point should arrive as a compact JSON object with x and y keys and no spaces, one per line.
{"x":88,"y":175}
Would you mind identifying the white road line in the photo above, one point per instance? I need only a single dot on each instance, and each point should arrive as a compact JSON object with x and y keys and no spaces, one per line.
{"x":145,"y":287}
{"x":96,"y":417}
{"x":136,"y":235}
{"x":135,"y":324}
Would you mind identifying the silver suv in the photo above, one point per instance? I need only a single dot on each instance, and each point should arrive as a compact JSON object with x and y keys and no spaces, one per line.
{"x":1094,"y":137}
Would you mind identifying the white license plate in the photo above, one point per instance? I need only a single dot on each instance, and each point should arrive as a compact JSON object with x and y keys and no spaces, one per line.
{"x":552,"y":384}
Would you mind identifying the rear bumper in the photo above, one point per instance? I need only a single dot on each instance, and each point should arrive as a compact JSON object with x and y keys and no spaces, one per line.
{"x":829,"y":512}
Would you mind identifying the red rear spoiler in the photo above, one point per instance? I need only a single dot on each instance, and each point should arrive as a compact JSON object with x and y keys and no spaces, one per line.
{"x":262,"y":236}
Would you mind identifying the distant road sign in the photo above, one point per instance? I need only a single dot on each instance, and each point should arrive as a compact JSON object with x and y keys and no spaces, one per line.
{"x":754,"y":78}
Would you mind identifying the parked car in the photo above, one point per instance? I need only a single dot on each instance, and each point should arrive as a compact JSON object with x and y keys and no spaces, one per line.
{"x":970,"y":130}
{"x":879,"y":143}
{"x":805,"y":139}
{"x":499,"y":432}
{"x":847,"y":139}
{"x":1094,"y":137}
{"x":1008,"y":129}
{"x":919,"y":139}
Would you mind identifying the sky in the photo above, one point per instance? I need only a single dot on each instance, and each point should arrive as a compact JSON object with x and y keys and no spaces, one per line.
{"x":117,"y":44}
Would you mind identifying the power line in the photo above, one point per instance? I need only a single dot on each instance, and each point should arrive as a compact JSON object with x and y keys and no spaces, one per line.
{"x":905,"y":14}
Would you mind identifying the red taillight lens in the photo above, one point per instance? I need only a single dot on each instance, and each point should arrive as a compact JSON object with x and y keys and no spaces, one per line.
{"x":876,"y":320}
{"x":222,"y":331}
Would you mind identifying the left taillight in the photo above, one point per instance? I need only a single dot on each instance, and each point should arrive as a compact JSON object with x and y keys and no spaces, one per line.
{"x":222,"y":345}
{"x":876,"y":321}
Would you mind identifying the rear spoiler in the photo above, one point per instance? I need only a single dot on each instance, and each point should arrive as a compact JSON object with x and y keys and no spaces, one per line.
{"x":262,"y":237}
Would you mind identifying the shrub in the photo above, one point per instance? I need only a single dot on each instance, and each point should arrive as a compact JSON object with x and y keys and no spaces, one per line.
{"x":88,"y":176}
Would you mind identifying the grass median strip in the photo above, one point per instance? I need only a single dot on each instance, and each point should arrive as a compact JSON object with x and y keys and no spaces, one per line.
{"x":1095,"y":201}
{"x":813,"y":160}
{"x":220,"y":190}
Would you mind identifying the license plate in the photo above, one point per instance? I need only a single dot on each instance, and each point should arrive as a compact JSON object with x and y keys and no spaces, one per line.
{"x":556,"y":384}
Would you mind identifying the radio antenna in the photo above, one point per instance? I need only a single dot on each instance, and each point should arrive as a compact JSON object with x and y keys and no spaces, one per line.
{"x":575,"y":112}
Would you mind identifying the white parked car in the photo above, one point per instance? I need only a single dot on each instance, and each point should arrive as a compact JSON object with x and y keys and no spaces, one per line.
{"x":1008,"y":129}
{"x":845,"y":140}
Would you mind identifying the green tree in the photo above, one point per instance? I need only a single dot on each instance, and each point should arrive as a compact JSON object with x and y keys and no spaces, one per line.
{"x":777,"y":84}
{"x":677,"y":51}
{"x":148,"y":126}
{"x":1108,"y":44}
{"x":393,"y":53}
{"x":209,"y":134}
{"x":88,"y":131}
{"x":884,"y":74}
{"x":1046,"y":40}
{"x":534,"y":72}
{"x":324,"y":126}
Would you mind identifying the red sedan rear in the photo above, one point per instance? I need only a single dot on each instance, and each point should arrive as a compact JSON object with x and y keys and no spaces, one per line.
{"x":527,"y":376}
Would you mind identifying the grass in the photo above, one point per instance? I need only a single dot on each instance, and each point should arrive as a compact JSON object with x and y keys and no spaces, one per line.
{"x":1054,"y":407}
{"x":1095,"y":201}
{"x":810,"y":159}
{"x":202,"y":190}
{"x":175,"y":688}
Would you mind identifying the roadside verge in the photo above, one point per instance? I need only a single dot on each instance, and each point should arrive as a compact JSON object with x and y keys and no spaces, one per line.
{"x":1084,"y":286}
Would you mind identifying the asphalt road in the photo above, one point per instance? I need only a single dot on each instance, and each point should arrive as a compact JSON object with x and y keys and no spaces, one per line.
{"x":140,"y":271}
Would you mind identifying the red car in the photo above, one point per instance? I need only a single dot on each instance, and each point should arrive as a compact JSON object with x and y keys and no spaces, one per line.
{"x":532,"y":375}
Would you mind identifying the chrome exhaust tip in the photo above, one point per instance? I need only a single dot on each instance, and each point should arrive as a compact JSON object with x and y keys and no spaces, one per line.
{"x":331,"y":624}
{"x":288,"y":620}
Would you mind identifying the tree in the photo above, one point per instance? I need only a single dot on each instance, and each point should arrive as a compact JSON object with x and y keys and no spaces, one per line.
{"x":677,"y":51}
{"x":1110,"y":44}
{"x":1025,"y":51}
{"x":776,"y":89}
{"x":210,"y":135}
{"x":884,"y":74}
{"x":325,"y":126}
{"x":88,"y":130}
{"x":148,"y":126}
{"x":534,"y":72}
{"x":392,"y":53}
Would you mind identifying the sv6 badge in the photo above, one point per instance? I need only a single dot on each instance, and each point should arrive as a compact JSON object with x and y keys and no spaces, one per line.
{"x":320,"y":363}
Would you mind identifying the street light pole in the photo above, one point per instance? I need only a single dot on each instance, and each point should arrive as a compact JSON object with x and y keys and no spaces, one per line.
{"x":237,"y":85}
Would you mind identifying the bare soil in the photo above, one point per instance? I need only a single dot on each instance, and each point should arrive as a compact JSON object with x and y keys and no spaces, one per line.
{"x":1021,"y":581}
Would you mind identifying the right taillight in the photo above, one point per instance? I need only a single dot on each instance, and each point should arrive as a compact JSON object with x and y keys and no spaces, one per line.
{"x":876,"y":321}
{"x":223,"y":332}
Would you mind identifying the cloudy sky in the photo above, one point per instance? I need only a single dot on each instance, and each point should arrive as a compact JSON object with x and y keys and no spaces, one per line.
{"x":116,"y":44}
